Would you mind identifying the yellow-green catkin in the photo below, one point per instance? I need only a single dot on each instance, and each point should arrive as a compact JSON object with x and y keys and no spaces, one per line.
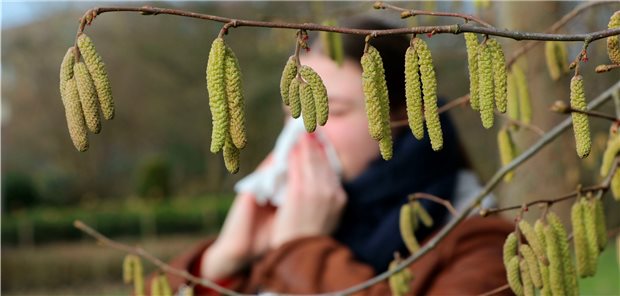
{"x":429,"y":93}
{"x":539,"y":228}
{"x":580,"y":240}
{"x":308,"y":109}
{"x":97,"y":71}
{"x":581,"y":125}
{"x":471,"y":42}
{"x":512,"y":98}
{"x":556,"y":265}
{"x":568,"y":268}
{"x":532,"y":239}
{"x":288,"y":74}
{"x":499,"y":75}
{"x":613,"y":42}
{"x":413,"y":93}
{"x":510,"y":248}
{"x":128,"y":266}
{"x":525,"y":103}
{"x":485,"y":85}
{"x":66,"y":70}
{"x":532,"y":264}
{"x":526,"y":278}
{"x":612,"y":149}
{"x":601,"y":227}
{"x":514,"y":277}
{"x":507,"y":150}
{"x":332,"y":43}
{"x":615,"y":185}
{"x":88,"y":97}
{"x":589,"y":220}
{"x":231,"y":156}
{"x":75,"y":117}
{"x":407,"y":231}
{"x":133,"y":272}
{"x":216,"y":85}
{"x":422,"y":214}
{"x":385,"y":144}
{"x":319,"y":92}
{"x":294,"y":99}
{"x":552,"y":60}
{"x":160,"y":286}
{"x":372,"y":93}
{"x":399,"y":282}
{"x":234,"y":98}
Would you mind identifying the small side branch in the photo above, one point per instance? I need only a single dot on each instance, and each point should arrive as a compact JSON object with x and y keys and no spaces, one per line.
{"x":437,"y":199}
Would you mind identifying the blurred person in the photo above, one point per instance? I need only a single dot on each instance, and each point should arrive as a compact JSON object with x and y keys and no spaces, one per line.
{"x":332,"y":232}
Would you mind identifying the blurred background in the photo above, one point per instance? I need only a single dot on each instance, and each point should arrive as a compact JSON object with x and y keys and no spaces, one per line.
{"x":149,"y":178}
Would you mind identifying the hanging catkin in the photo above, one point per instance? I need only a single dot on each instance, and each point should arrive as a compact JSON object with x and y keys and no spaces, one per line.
{"x":613,"y":42}
{"x":372,"y":94}
{"x":422,"y":214}
{"x":513,"y":276}
{"x":66,"y":70}
{"x":400,"y":282}
{"x":429,"y":92}
{"x":75,"y":117}
{"x":234,"y":98}
{"x":539,"y":228}
{"x":485,"y":86}
{"x":132,"y":272}
{"x":525,"y":104}
{"x":532,"y":239}
{"x":308,"y":109}
{"x":615,"y":185}
{"x":612,"y":149}
{"x":568,"y":269}
{"x":294,"y":99}
{"x":507,"y":150}
{"x":589,"y":221}
{"x":97,"y":71}
{"x":557,"y":58}
{"x":471,"y":42}
{"x":332,"y":43}
{"x":528,"y":285}
{"x":556,"y":266}
{"x":510,"y":248}
{"x":601,"y":228}
{"x":217,"y":94}
{"x":88,"y":97}
{"x":288,"y":74}
{"x":319,"y":92}
{"x":413,"y":93}
{"x":385,"y":144}
{"x":231,"y":156}
{"x":512,"y":98}
{"x":499,"y":75}
{"x":581,"y":126}
{"x":128,"y":266}
{"x":407,"y":223}
{"x":580,"y":240}
{"x":532,"y":264}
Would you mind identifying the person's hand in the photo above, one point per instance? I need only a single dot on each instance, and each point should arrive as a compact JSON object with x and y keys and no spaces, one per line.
{"x":245,"y":236}
{"x":315,"y":198}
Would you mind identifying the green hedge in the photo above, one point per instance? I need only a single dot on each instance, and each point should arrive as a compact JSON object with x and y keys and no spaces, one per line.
{"x":114,"y":219}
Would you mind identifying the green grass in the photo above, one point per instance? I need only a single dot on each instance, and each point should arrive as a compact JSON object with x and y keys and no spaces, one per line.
{"x":607,"y":278}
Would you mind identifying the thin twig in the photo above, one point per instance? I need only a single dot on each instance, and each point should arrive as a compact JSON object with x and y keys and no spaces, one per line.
{"x":474,"y":203}
{"x":405,"y":13}
{"x":496,"y":290}
{"x":606,"y":68}
{"x":144,"y":254}
{"x":437,"y":199}
{"x":453,"y":29}
{"x":534,"y":128}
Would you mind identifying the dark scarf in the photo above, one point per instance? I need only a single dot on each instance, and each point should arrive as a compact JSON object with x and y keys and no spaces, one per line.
{"x":369,"y":225}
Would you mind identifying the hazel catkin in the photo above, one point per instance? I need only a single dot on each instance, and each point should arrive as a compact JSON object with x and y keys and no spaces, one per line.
{"x":485,"y":86}
{"x":234,"y":98}
{"x":528,"y":285}
{"x":75,"y":117}
{"x":319,"y":93}
{"x":589,"y":221}
{"x":499,"y":75}
{"x":512,"y":98}
{"x":609,"y":156}
{"x":510,"y":248}
{"x":400,"y":281}
{"x":581,"y":126}
{"x":66,"y":70}
{"x":407,"y":221}
{"x":525,"y":104}
{"x":385,"y":144}
{"x":568,"y":269}
{"x":613,"y":42}
{"x":97,"y":71}
{"x":372,"y":94}
{"x":532,"y":264}
{"x":507,"y":150}
{"x":216,"y":87}
{"x":471,"y":42}
{"x":513,"y":276}
{"x":413,"y":93}
{"x":557,"y":59}
{"x":429,"y":93}
{"x":294,"y":99}
{"x":231,"y":156}
{"x":308,"y":109}
{"x":88,"y":97}
{"x":580,"y":240}
{"x":288,"y":74}
{"x":556,"y":266}
{"x":601,"y":227}
{"x":530,"y":234}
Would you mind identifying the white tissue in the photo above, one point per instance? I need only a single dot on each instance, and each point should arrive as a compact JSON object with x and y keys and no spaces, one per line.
{"x":268,"y":184}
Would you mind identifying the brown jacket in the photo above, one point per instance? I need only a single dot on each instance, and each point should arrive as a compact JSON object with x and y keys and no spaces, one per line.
{"x":467,"y":262}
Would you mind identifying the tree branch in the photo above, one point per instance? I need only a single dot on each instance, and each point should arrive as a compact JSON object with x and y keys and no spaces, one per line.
{"x":405,"y":13}
{"x":437,"y":199}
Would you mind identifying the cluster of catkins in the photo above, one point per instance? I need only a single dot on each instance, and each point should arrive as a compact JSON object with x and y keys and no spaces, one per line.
{"x":613,"y":42}
{"x":609,"y":156}
{"x":411,"y":214}
{"x":226,"y":103}
{"x":544,"y":261}
{"x":302,"y":89}
{"x":132,"y":273}
{"x":488,"y":78}
{"x":84,"y":88}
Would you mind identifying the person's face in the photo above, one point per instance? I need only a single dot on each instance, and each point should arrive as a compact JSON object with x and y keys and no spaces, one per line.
{"x":347,"y":126}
